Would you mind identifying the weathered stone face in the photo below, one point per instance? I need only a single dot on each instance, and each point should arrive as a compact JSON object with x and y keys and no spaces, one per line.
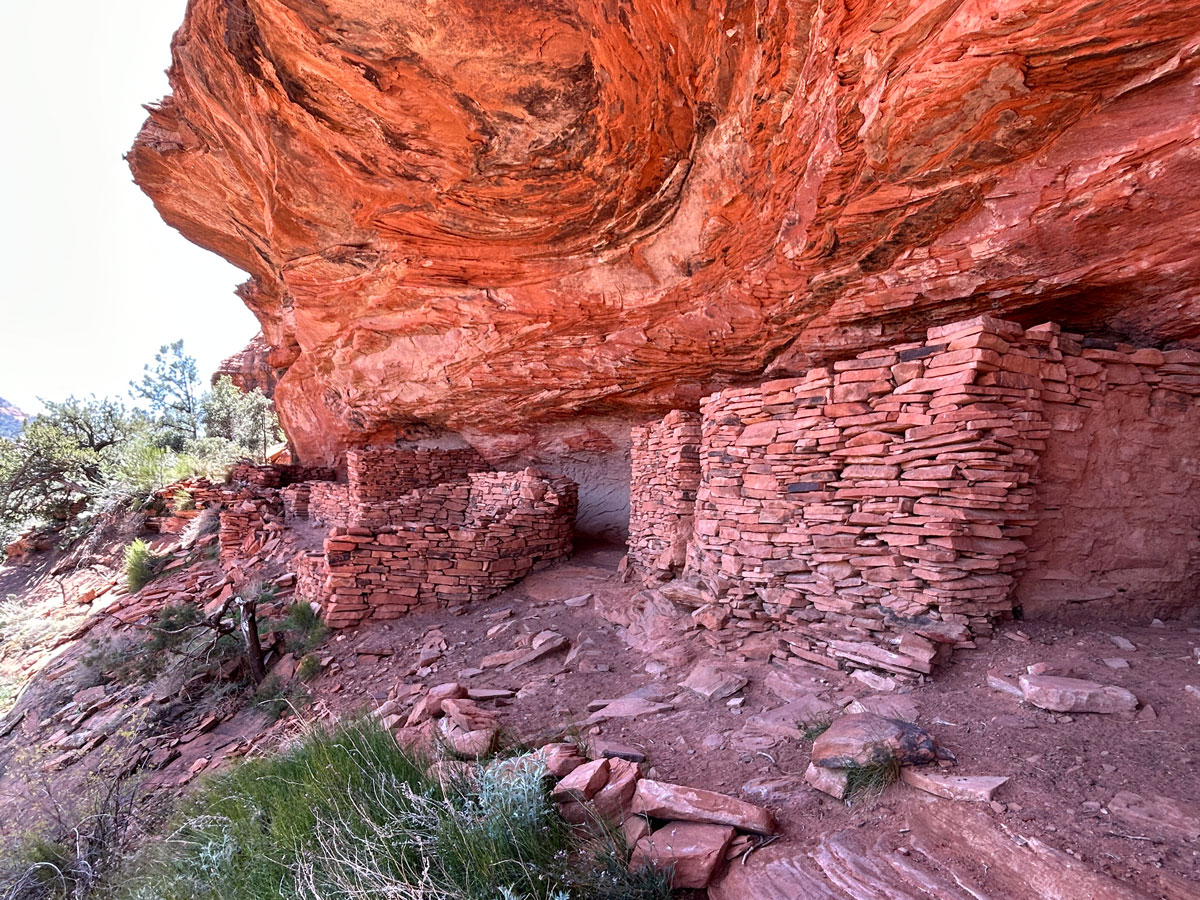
{"x":485,"y":216}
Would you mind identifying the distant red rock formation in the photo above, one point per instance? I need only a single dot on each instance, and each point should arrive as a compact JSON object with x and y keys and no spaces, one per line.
{"x":251,"y":368}
{"x":12,"y":420}
{"x":484,"y":216}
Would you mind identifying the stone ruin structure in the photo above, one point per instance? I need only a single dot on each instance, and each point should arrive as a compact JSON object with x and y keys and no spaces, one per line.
{"x":891,"y":506}
{"x":775,"y":218}
{"x":410,"y":529}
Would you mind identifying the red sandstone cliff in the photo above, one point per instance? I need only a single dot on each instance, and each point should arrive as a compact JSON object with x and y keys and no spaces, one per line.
{"x":479,"y":215}
{"x":251,"y":368}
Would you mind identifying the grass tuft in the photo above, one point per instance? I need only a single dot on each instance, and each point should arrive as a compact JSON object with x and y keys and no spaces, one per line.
{"x":870,"y":781}
{"x":141,"y":565}
{"x":814,"y":729}
{"x":349,"y":814}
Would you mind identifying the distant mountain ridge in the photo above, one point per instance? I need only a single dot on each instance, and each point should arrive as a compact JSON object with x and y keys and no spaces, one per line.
{"x":12,"y":420}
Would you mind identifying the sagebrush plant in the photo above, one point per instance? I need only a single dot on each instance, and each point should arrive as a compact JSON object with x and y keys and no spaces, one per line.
{"x":349,"y":814}
{"x":141,"y":565}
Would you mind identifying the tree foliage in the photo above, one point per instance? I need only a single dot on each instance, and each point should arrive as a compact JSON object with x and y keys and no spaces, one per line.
{"x":84,"y":453}
{"x":172,"y":391}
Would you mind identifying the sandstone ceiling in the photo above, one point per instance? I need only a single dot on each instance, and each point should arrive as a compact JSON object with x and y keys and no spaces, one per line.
{"x":482,"y":214}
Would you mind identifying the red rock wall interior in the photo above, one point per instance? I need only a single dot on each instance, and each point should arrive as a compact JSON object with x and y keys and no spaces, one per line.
{"x":886,"y":504}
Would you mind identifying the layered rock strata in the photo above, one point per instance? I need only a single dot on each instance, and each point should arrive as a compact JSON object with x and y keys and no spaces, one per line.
{"x":486,"y":217}
{"x":881,"y":509}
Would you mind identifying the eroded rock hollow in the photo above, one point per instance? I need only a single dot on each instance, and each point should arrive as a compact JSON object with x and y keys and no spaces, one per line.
{"x":533,"y":223}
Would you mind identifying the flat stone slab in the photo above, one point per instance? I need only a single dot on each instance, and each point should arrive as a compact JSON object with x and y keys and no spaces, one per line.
{"x":890,"y":706}
{"x":978,"y":788}
{"x":661,"y":800}
{"x":834,"y":782}
{"x":713,"y":683}
{"x":1160,"y":816}
{"x":788,"y":721}
{"x":627,"y":708}
{"x":1059,"y":694}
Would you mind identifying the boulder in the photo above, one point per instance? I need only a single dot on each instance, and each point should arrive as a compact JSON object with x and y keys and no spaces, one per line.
{"x":1061,"y":694}
{"x":582,"y":783}
{"x":691,"y":852}
{"x":865,"y":739}
{"x":661,"y":800}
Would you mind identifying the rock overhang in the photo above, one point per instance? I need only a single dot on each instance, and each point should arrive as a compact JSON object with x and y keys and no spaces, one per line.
{"x":484,"y":217}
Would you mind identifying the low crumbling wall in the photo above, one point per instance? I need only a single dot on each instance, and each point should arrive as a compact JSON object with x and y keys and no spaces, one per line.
{"x":470,"y":540}
{"x":386,"y":486}
{"x":882,"y":508}
{"x":277,"y":475}
{"x":246,"y":525}
{"x":664,"y":478}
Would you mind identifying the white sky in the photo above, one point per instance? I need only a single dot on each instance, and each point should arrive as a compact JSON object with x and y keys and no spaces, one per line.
{"x":93,"y":280}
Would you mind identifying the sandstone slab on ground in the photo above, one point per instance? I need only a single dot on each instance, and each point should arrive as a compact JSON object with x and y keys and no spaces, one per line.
{"x":1163,"y":816}
{"x":1060,"y":694}
{"x":691,"y":851}
{"x":713,"y":683}
{"x":953,"y":787}
{"x":661,"y":800}
{"x":834,"y":782}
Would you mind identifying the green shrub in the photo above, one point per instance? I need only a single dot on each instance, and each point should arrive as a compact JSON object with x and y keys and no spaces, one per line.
{"x":183,"y":501}
{"x":305,"y":629}
{"x":141,"y":565}
{"x":309,"y":667}
{"x":349,"y":814}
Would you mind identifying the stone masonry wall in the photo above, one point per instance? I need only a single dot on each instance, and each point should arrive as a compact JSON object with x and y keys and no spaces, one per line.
{"x":384,"y":483}
{"x":246,"y":524}
{"x":664,"y":478}
{"x":879,"y":510}
{"x":277,"y":475}
{"x":381,"y":474}
{"x":484,"y":534}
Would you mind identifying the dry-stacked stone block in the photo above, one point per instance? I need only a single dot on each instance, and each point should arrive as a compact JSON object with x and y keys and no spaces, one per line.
{"x":880,"y":509}
{"x":466,"y":541}
{"x":664,"y":478}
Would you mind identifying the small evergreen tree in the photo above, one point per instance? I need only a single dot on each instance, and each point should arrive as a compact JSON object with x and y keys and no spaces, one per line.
{"x":171,"y":389}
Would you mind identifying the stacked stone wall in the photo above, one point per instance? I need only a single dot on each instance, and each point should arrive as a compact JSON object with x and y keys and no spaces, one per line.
{"x":246,"y":524}
{"x":277,"y":475}
{"x":664,"y":478}
{"x":880,"y":510}
{"x":467,"y":541}
{"x":381,"y":474}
